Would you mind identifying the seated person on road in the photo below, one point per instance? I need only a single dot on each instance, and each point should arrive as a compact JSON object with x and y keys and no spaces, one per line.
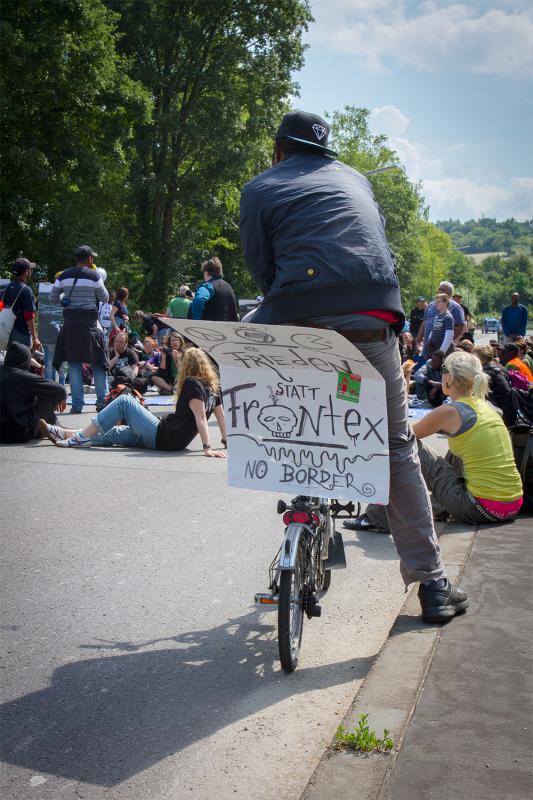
{"x":171,"y":353}
{"x":25,"y":397}
{"x":149,"y":361}
{"x":523,"y":353}
{"x":197,"y":397}
{"x":314,"y":241}
{"x":477,"y":482}
{"x":500,"y":391}
{"x":123,"y":361}
{"x":510,"y":358}
{"x":151,"y":324}
{"x":428,"y":380}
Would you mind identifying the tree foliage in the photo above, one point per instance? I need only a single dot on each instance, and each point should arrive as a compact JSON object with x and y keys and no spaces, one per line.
{"x":67,"y":105}
{"x":486,"y":235}
{"x":132,"y":125}
{"x":218,"y":74}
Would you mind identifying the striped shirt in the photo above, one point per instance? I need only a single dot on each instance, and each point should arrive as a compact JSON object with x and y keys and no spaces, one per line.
{"x":89,"y":288}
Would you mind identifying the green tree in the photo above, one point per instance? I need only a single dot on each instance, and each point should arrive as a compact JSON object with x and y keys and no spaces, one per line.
{"x":66,"y":106}
{"x":218,"y":74}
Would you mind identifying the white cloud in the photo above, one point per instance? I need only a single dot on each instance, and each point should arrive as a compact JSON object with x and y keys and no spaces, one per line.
{"x":462,"y":198}
{"x":428,"y":35}
{"x":388,"y":120}
{"x":450,"y":196}
{"x":392,"y":122}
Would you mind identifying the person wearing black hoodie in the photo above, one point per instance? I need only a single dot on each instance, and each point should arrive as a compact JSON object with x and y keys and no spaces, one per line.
{"x":25,"y":397}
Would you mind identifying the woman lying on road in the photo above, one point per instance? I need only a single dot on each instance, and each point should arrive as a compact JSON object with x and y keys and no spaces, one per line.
{"x":478,"y":481}
{"x":197,"y":396}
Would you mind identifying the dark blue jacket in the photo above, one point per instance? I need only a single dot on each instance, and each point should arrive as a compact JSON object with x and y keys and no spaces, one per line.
{"x":514,"y":320}
{"x":314,"y":241}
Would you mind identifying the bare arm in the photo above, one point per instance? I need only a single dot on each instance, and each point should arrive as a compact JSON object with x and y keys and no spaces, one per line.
{"x":198,"y":409}
{"x":114,"y":310}
{"x":445,"y":418}
{"x":219,"y":415}
{"x":458,"y":331}
{"x":33,"y":333}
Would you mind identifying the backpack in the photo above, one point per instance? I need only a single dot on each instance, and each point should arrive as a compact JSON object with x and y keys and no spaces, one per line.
{"x":518,"y":380}
{"x":123,"y":388}
{"x":523,"y":403}
{"x":522,"y":441}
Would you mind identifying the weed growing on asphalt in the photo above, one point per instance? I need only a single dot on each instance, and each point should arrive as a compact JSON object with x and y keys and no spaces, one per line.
{"x":364,"y":740}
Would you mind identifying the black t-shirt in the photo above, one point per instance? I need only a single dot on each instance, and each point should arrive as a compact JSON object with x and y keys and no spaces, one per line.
{"x":19,"y":297}
{"x":177,"y":430}
{"x":149,"y":321}
{"x":415,"y":320}
{"x":128,"y":358}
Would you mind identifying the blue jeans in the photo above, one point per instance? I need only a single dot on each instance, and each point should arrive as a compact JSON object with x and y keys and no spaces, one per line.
{"x":49,"y":371}
{"x":76,"y":385}
{"x":139,"y":430}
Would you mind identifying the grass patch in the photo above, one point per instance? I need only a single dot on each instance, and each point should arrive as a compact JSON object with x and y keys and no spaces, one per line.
{"x":362,"y":739}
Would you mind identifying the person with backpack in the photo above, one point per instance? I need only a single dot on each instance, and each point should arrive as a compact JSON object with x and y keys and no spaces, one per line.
{"x":126,"y":423}
{"x":18,"y":296}
{"x":81,"y":339}
{"x":513,"y":363}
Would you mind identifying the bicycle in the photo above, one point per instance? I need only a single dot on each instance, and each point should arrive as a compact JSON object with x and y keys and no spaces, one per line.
{"x":300,"y":573}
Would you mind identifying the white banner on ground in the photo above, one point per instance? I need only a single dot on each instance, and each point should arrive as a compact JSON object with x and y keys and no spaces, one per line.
{"x":305,"y":411}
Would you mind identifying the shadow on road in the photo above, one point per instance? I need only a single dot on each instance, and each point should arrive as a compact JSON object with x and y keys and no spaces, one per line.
{"x":378,"y":546}
{"x":105,"y":719}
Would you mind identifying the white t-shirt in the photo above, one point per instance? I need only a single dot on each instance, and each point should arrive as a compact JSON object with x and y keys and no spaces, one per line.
{"x":104,"y":315}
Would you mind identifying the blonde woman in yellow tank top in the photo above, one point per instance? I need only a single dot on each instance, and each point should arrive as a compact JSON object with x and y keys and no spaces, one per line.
{"x":478,"y":481}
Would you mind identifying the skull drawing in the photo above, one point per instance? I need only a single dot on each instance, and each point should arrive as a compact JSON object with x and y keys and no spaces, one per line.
{"x":279,"y":420}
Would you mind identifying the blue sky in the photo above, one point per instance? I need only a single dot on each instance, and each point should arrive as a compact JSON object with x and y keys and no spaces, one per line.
{"x":450,"y":84}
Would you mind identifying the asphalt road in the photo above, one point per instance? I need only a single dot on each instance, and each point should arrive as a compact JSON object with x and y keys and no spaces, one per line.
{"x":134,"y":662}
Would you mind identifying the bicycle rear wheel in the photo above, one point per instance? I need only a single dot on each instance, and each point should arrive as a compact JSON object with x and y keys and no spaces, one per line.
{"x":291,"y":612}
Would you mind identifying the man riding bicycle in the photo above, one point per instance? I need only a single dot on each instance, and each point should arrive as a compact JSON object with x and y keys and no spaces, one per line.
{"x":314,"y":241}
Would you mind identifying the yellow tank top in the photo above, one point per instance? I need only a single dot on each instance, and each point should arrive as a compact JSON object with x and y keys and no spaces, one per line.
{"x":487,"y":455}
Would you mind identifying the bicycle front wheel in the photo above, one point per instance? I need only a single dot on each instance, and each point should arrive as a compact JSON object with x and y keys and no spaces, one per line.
{"x":291,"y":613}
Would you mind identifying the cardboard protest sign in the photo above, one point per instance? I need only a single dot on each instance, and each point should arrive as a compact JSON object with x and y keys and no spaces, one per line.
{"x":50,"y":315}
{"x":305,"y":411}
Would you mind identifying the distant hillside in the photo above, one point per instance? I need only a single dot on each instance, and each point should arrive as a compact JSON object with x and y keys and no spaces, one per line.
{"x":488,"y":236}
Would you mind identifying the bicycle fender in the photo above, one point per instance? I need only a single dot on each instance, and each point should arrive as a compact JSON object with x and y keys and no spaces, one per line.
{"x":289,"y":548}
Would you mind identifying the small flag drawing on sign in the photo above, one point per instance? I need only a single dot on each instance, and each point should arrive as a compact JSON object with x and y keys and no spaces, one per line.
{"x":348,"y":387}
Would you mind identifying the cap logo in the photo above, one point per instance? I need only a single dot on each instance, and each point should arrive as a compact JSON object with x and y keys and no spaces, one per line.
{"x":320,"y":131}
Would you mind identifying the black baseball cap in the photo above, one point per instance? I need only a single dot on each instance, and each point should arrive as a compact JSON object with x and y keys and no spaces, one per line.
{"x":22,"y":264}
{"x":306,"y":128}
{"x":84,"y":251}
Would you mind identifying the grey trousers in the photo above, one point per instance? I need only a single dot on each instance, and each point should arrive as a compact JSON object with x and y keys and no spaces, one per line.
{"x":409,"y":516}
{"x":444,"y":478}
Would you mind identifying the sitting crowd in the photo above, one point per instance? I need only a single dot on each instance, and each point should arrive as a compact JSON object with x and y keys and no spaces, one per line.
{"x":471,"y":393}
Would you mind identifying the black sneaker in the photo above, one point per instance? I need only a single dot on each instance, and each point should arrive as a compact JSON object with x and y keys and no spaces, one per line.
{"x":441,"y":604}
